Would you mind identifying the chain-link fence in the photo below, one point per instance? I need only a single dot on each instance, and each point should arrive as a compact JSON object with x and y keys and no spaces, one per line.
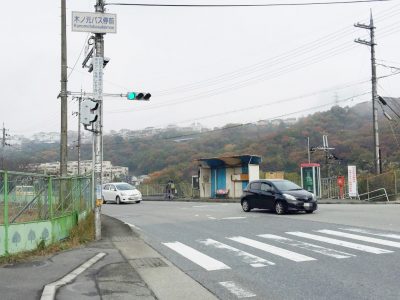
{"x":31,"y":197}
{"x":38,"y":208}
{"x":182,"y":190}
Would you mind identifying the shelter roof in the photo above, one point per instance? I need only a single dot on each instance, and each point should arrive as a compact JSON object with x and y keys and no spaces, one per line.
{"x":231,"y":161}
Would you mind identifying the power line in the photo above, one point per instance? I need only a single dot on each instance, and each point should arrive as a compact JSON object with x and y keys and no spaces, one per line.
{"x":249,"y":5}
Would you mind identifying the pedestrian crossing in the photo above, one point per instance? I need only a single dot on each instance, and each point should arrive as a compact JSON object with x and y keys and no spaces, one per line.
{"x":294,"y":246}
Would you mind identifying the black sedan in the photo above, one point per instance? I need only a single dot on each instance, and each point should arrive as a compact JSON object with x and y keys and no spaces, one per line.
{"x":278,"y":195}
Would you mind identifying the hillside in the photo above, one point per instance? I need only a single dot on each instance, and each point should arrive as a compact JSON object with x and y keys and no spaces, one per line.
{"x":172,"y":153}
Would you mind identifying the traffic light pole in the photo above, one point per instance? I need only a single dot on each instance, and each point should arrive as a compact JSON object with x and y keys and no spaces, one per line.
{"x":98,"y":126}
{"x":63,"y":94}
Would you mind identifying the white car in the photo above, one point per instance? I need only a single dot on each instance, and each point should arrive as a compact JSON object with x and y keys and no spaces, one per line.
{"x":121,"y":192}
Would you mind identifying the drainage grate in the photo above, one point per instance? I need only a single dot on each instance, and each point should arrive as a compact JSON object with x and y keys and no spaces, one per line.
{"x":148,"y":262}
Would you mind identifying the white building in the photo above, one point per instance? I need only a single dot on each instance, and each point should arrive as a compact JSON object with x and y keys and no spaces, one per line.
{"x":109,"y":171}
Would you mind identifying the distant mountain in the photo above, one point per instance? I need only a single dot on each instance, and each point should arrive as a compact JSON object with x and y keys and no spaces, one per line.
{"x":171,"y":153}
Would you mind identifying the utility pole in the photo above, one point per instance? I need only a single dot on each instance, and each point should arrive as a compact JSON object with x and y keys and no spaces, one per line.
{"x":63,"y":94}
{"x":371,"y":44}
{"x":98,"y":60}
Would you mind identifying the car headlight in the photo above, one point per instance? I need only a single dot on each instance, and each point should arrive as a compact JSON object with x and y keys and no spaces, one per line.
{"x":289,"y":197}
{"x":123,"y":194}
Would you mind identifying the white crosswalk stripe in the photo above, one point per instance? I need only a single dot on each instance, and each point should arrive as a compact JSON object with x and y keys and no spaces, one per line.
{"x":365,"y":231}
{"x":204,"y":261}
{"x":337,"y":242}
{"x":237,"y":290}
{"x":361,"y":238}
{"x":307,"y":246}
{"x":272,"y":249}
{"x":248,"y":258}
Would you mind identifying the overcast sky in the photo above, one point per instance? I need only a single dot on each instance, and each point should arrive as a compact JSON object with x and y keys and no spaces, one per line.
{"x":210,"y":65}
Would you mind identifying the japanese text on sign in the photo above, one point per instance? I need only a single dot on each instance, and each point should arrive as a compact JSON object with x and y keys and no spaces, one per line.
{"x":352,"y":180}
{"x":94,"y":22}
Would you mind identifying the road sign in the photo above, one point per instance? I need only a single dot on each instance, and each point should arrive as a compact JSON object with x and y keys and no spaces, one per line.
{"x":94,"y":22}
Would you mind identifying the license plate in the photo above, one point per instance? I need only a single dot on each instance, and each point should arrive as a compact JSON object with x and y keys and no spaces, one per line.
{"x":307,"y":205}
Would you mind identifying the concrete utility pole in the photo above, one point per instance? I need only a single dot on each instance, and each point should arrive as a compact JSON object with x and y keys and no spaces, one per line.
{"x":98,"y":126}
{"x":372,"y":44}
{"x":63,"y":93}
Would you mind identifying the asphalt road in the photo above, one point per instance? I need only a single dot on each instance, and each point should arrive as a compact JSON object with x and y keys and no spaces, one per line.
{"x":339,"y":252}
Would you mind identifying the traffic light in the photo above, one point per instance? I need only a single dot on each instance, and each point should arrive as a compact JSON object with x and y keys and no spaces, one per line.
{"x":138,"y":96}
{"x":89,"y":113}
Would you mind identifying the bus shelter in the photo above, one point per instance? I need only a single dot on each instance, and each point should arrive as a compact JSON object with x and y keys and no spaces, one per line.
{"x":227,"y":176}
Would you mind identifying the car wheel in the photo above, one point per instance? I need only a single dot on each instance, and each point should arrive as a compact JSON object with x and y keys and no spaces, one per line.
{"x":104,"y":201}
{"x":118,"y":200}
{"x":279,"y":208}
{"x":309,"y":211}
{"x":137,"y":201}
{"x":246,"y":206}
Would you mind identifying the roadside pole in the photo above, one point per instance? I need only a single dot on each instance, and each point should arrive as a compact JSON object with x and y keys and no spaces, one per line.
{"x":98,"y":126}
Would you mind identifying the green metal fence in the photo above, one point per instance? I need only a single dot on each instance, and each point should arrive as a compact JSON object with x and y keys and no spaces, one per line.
{"x":36,"y":207}
{"x":369,"y":185}
{"x":390,"y":181}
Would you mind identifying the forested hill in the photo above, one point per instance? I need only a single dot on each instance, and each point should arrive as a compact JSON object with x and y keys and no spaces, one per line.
{"x":172,"y":153}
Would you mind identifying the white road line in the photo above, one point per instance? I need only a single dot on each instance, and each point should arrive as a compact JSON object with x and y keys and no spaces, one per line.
{"x":236,"y":289}
{"x":248,"y":258}
{"x":361,"y":238}
{"x":340,"y":243}
{"x":204,"y":261}
{"x":272,"y":249}
{"x":383,"y":234}
{"x":307,"y":246}
{"x":233,"y":218}
{"x":212,"y":218}
{"x":49,"y":291}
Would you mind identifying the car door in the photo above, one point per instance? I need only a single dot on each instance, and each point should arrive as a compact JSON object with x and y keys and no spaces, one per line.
{"x":113,"y":192}
{"x":255,"y":193}
{"x":106,"y":191}
{"x":267,"y":196}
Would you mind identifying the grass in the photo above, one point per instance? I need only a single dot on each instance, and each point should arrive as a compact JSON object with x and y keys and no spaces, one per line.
{"x":79,"y":235}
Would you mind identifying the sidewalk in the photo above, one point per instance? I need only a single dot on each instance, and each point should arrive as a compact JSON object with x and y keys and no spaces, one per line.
{"x":130,"y":270}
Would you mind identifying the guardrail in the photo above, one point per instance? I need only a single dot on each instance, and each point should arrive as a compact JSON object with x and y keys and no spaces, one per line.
{"x":374,"y":197}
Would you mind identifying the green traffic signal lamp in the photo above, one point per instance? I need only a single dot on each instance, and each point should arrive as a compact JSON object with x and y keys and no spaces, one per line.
{"x":131,"y":96}
{"x":138,"y":96}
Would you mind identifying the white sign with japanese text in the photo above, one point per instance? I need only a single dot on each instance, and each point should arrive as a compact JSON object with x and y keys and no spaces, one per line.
{"x":352,"y":181}
{"x":97,"y":77}
{"x":94,"y":22}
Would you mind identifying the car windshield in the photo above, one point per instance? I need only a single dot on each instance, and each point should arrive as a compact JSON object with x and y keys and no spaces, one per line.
{"x":124,"y":187}
{"x":286,"y":185}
